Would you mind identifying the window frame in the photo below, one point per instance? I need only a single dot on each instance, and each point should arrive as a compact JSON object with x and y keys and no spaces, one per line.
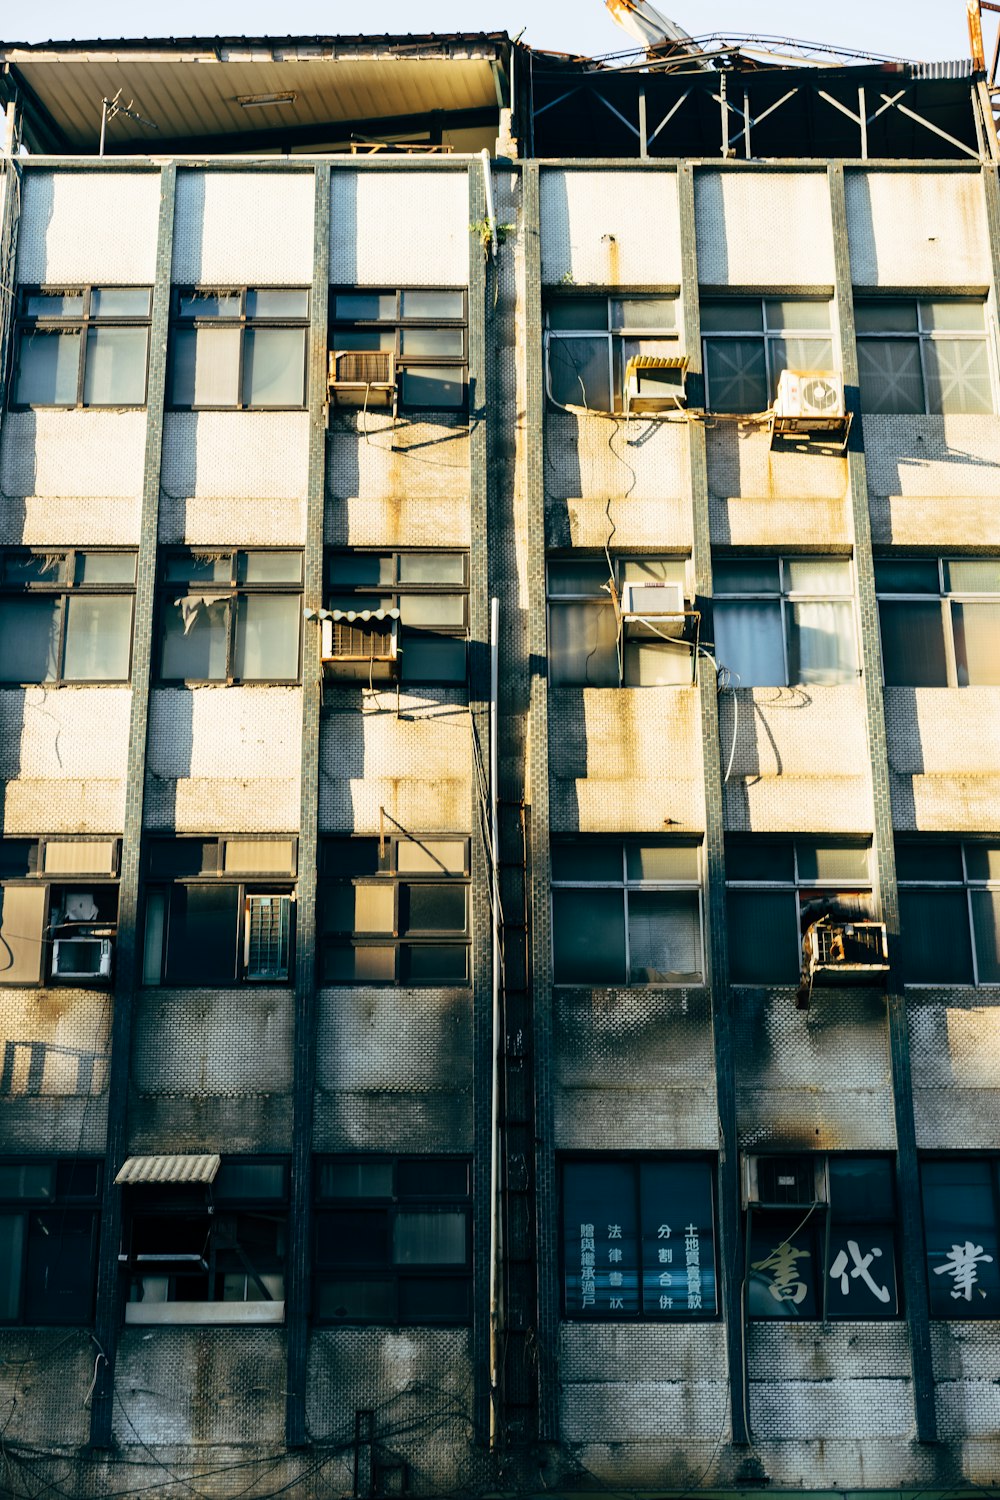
{"x":616,"y":337}
{"x":392,"y":1205}
{"x":787,"y":599}
{"x":398,"y":324}
{"x":64,"y":588}
{"x":388,"y":596}
{"x":969,"y":885}
{"x":396,"y":939}
{"x":946,"y":598}
{"x":768,"y":336}
{"x":51,"y":882}
{"x":246,"y":884}
{"x":944,"y":1158}
{"x":650,"y":887}
{"x":243,"y":322}
{"x":170,"y":591}
{"x":59,"y":1203}
{"x":619,"y":561}
{"x":922,"y":336}
{"x":83,"y":321}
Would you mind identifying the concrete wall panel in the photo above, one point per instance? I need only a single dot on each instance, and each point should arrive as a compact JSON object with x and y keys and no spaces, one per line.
{"x":917,"y":228}
{"x":88,"y":228}
{"x":610,"y":229}
{"x":763,"y":229}
{"x":399,"y":229}
{"x":243,"y":228}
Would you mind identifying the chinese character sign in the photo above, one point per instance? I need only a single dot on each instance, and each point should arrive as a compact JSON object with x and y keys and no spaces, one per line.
{"x":601,"y":1247}
{"x":960,"y":1229}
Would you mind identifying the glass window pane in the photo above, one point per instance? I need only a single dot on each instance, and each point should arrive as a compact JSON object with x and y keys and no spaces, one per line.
{"x":432,"y":907}
{"x":799,"y":354}
{"x":818,"y":575}
{"x":48,"y":366}
{"x":737,"y":375}
{"x":433,"y":386}
{"x":849,"y":1294}
{"x":278,"y":302}
{"x":40,"y":568}
{"x":643,"y":312}
{"x":785,"y":1269}
{"x":821,"y":645}
{"x":421,"y":304}
{"x":54,"y":304}
{"x":764,"y":940}
{"x":920,"y":861}
{"x":429,"y":610}
{"x":259,"y":857}
{"x":267,"y":637}
{"x":891,"y":315}
{"x":976,"y":629}
{"x":583,"y":645}
{"x":434,"y":963}
{"x":365,"y":339}
{"x":796,"y":313}
{"x":364,"y":306}
{"x":657,"y":664}
{"x":889,"y":375}
{"x":587,"y":861}
{"x":98,"y":638}
{"x":195,"y":638}
{"x":579,"y":577}
{"x":759,"y":860}
{"x":913,"y":644}
{"x":431,"y":856}
{"x":664,"y":937}
{"x":974,"y":575}
{"x":274,"y":367}
{"x":205,"y":367}
{"x":352,"y":857}
{"x":270,"y":567}
{"x":209,"y":569}
{"x":434,"y":1299}
{"x":366,"y":964}
{"x":355,"y":1179}
{"x":27,"y":1180}
{"x":909,"y":576}
{"x":588,"y":937}
{"x":119,"y":302}
{"x":579,"y":373}
{"x":431,"y":568}
{"x":934,"y":943}
{"x":862,"y":1189}
{"x":115,"y":371}
{"x":960,"y":1233}
{"x":12,"y":1232}
{"x":359,"y":908}
{"x":953,"y":314}
{"x":958,"y":375}
{"x":579,"y":314}
{"x":746,"y":575}
{"x":80,"y":857}
{"x":831,"y":861}
{"x":178,"y":858}
{"x":439,"y":341}
{"x":361,"y":569}
{"x":436,"y":1177}
{"x":748,"y":641}
{"x":986,"y":927}
{"x":153,"y":935}
{"x":18,"y":857}
{"x":600,"y":1216}
{"x":662,"y":861}
{"x":652,"y":570}
{"x":732,"y":315}
{"x":678,"y":1238}
{"x":983,"y":861}
{"x":429,"y":1238}
{"x":342,"y":1299}
{"x":425,"y":659}
{"x":209,"y":304}
{"x":29,"y":639}
{"x":249,"y":1179}
{"x":105,"y":567}
{"x":22,"y":915}
{"x":202,"y":927}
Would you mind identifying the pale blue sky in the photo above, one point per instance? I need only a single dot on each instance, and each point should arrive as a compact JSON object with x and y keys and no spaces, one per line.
{"x":908,"y":28}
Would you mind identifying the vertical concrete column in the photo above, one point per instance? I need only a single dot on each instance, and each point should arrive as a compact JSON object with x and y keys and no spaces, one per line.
{"x":10,"y":212}
{"x":908,"y":1180}
{"x":546,"y":1197}
{"x":108,"y":1314}
{"x":479,"y":695}
{"x":731,"y":1243}
{"x":304,"y":1059}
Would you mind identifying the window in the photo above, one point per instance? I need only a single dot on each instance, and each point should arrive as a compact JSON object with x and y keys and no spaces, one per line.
{"x":782,"y":621}
{"x":393,"y":1240}
{"x":207,"y":1252}
{"x":48,"y":1239}
{"x":66,"y":616}
{"x":590,"y":340}
{"x":626,"y":913}
{"x":960,"y":1199}
{"x":748,"y":341}
{"x":923,"y":355}
{"x":638,"y":1239}
{"x":940,"y":620}
{"x":584,"y":645}
{"x":58,"y":910}
{"x":777,"y":888}
{"x":230,"y":617}
{"x":431,"y":592}
{"x":219,"y":911}
{"x":239,"y":347}
{"x":394,"y":910}
{"x":949,"y":911}
{"x":424,"y":330}
{"x":833,"y":1256}
{"x":82,"y":346}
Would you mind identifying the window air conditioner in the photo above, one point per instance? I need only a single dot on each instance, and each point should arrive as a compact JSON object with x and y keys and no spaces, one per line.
{"x":361,"y":645}
{"x":82,"y":958}
{"x":655,"y":383}
{"x":362,"y":377}
{"x":651,"y":611}
{"x":848,"y":950}
{"x":784,"y":1181}
{"x":810,"y":394}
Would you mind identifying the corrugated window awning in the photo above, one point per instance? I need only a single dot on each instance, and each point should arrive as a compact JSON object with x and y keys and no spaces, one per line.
{"x":658,"y":362}
{"x":352,"y":615}
{"x":159,"y":1169}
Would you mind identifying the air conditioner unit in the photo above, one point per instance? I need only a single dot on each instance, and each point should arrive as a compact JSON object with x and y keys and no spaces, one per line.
{"x":362,"y":377}
{"x":361,"y":645}
{"x":649,"y":611}
{"x":655,"y":383}
{"x":82,"y":958}
{"x":847,"y":951}
{"x":810,"y":394}
{"x":784,"y":1181}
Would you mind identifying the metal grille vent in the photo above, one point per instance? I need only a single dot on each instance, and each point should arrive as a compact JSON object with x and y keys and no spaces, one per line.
{"x":268,"y":923}
{"x":363,"y":367}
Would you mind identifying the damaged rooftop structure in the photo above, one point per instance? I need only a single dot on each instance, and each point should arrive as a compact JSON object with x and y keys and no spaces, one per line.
{"x":499,"y":768}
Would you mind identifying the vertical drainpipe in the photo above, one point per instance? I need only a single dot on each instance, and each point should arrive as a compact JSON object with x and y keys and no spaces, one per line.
{"x":731,"y":1243}
{"x":496,"y":1221}
{"x":109,"y":1297}
{"x":304,"y":1057}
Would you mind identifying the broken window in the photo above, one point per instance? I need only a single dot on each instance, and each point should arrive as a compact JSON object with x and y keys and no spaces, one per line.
{"x":430,"y":590}
{"x":940,"y":621}
{"x":82,"y":346}
{"x":240,"y":348}
{"x":589,"y":341}
{"x":58,"y":910}
{"x":961,"y":1203}
{"x":393,"y":1240}
{"x":626,"y":913}
{"x":423,"y":329}
{"x":219,"y":911}
{"x":66,"y":616}
{"x":748,"y":341}
{"x":585,"y":647}
{"x":923,"y":355}
{"x":230,"y":616}
{"x":48,"y":1239}
{"x":782,"y":621}
{"x":949,"y":911}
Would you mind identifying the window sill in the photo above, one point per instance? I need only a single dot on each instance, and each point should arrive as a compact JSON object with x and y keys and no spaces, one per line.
{"x":204,"y":1313}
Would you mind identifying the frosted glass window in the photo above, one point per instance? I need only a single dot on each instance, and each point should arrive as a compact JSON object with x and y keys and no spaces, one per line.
{"x":274,"y":367}
{"x":115,"y":373}
{"x":29,"y":639}
{"x":259,"y":857}
{"x":206,"y":367}
{"x":22,"y":918}
{"x":432,"y":386}
{"x":98,"y":638}
{"x":429,"y":1238}
{"x":267,"y":637}
{"x":47,"y":369}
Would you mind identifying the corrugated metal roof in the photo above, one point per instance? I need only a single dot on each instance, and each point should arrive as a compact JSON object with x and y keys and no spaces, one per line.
{"x":959,"y":67}
{"x":161,"y":1169}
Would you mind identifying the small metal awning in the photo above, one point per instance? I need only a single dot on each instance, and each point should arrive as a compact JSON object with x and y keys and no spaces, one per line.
{"x":161,"y":1169}
{"x":658,"y":362}
{"x":352,"y":616}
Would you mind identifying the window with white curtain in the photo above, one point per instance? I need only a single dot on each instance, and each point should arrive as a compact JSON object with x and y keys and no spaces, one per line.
{"x":81,"y":346}
{"x":923,"y":354}
{"x":940,"y":621}
{"x":782,"y":621}
{"x":230,"y":616}
{"x":239,"y":347}
{"x":748,"y":341}
{"x":584,"y":647}
{"x":66,"y":616}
